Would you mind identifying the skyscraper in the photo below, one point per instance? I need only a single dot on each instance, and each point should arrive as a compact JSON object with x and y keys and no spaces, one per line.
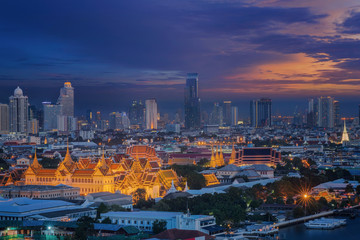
{"x":260,"y":112}
{"x":227,"y":113}
{"x":326,"y":112}
{"x":137,"y":113}
{"x":19,"y":114}
{"x":192,"y":101}
{"x":216,"y":115}
{"x":66,"y":99}
{"x":151,"y":114}
{"x":51,"y":114}
{"x":4,"y":118}
{"x":234,"y":116}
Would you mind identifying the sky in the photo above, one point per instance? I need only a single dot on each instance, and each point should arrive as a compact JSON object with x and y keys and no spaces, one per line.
{"x":115,"y":51}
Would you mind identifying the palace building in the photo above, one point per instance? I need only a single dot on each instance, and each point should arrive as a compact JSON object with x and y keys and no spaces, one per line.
{"x":139,"y":168}
{"x":258,"y":155}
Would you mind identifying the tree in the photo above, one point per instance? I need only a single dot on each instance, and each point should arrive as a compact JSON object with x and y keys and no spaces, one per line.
{"x":298,"y":212}
{"x":159,"y":226}
{"x":139,"y":194}
{"x":358,"y":189}
{"x":349,"y":188}
{"x":101,"y":209}
{"x":85,"y":228}
{"x":106,"y":221}
{"x":3,"y":165}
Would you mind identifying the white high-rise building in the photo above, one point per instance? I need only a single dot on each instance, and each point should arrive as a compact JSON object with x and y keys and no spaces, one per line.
{"x":234,"y":116}
{"x":4,"y":118}
{"x":66,"y":99}
{"x":151,"y":114}
{"x":18,"y":109}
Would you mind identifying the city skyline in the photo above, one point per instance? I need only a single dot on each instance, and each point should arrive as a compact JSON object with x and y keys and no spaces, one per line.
{"x":242,"y":50}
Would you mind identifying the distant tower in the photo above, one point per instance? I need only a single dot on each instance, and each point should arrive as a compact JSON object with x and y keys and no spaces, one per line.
{"x":151,"y":114}
{"x":192,"y":101}
{"x":4,"y":118}
{"x":66,"y":99}
{"x":326,"y":112}
{"x":227,"y":113}
{"x":345,"y":136}
{"x":19,"y":114}
{"x":234,"y":116}
{"x":51,"y":114}
{"x":260,"y":112}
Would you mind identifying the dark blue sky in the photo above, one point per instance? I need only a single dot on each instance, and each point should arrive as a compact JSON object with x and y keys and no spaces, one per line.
{"x":114,"y":51}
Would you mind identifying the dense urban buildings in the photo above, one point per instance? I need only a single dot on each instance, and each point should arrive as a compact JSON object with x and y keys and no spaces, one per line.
{"x":192,"y":102}
{"x":18,"y":109}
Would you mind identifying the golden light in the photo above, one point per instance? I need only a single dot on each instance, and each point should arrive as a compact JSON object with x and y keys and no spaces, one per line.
{"x":305,"y":195}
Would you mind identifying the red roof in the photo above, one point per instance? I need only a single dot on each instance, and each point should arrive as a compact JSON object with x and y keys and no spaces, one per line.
{"x":181,"y":234}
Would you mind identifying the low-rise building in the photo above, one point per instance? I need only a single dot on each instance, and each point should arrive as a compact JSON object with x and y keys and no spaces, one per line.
{"x":40,"y":191}
{"x":144,"y":220}
{"x":109,"y":199}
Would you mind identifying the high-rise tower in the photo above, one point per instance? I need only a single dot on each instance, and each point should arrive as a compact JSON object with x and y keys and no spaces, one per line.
{"x":18,"y":109}
{"x":4,"y":118}
{"x":151,"y":114}
{"x":66,"y":99}
{"x":192,"y":101}
{"x":260,"y":112}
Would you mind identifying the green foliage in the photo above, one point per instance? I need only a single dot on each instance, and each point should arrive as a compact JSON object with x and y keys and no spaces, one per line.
{"x":106,"y":221}
{"x":349,"y":188}
{"x":3,"y":165}
{"x":139,"y":194}
{"x":194,"y":179}
{"x":159,"y":226}
{"x":85,"y":228}
{"x":204,"y":162}
{"x":145,"y":204}
{"x":298,"y":212}
{"x":337,"y":173}
{"x":50,"y":162}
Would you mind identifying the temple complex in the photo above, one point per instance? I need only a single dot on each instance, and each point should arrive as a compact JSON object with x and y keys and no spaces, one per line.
{"x":139,"y":168}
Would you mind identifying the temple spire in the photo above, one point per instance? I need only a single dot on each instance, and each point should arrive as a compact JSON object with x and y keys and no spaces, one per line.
{"x":345,"y":135}
{"x":35,"y":164}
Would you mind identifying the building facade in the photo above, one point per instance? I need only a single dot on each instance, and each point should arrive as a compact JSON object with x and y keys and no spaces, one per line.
{"x":192,"y":102}
{"x":151,"y":114}
{"x":66,"y":99}
{"x":260,"y":112}
{"x":4,"y":118}
{"x":51,"y":114}
{"x":140,"y":168}
{"x":18,"y":109}
{"x":258,"y":155}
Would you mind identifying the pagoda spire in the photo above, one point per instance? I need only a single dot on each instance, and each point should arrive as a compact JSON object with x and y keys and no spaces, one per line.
{"x":345,"y":135}
{"x":221,"y":157}
{"x":67,"y":158}
{"x":35,"y":164}
{"x":186,"y":187}
{"x":232,"y":156}
{"x":213,"y":158}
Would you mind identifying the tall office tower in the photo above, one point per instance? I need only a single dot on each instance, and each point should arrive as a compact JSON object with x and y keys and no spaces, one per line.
{"x":18,"y":109}
{"x":337,"y":118}
{"x":4,"y":118}
{"x":66,"y":123}
{"x":216,"y":115}
{"x":326,"y":112}
{"x":227,"y":113}
{"x":51,"y":113}
{"x":260,"y":112}
{"x":66,"y":99}
{"x":137,"y":113}
{"x":151,"y":114}
{"x":234,"y":116}
{"x":33,"y":127}
{"x":89,"y":116}
{"x":192,"y":101}
{"x":311,"y":118}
